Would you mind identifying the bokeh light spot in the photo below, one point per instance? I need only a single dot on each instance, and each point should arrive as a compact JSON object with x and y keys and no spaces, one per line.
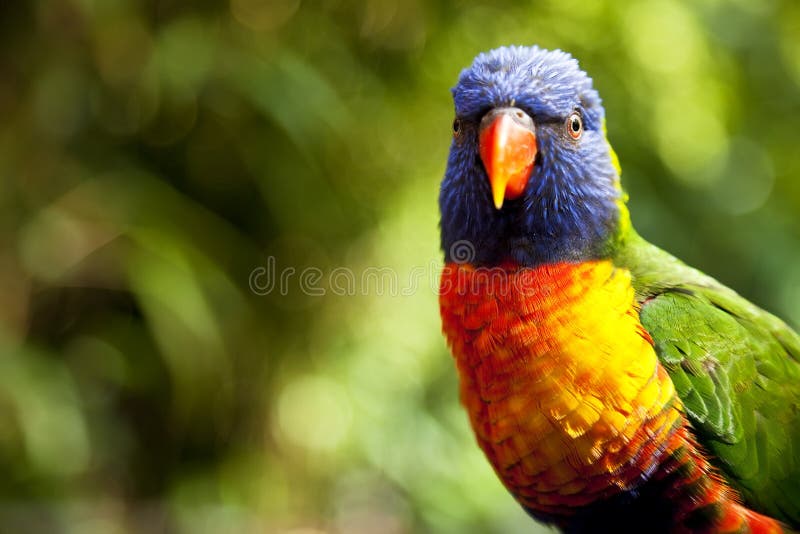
{"x":314,"y":412}
{"x":663,"y":35}
{"x":745,"y":178}
{"x":690,"y":137}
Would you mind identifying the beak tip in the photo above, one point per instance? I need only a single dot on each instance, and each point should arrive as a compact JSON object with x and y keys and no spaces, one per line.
{"x":498,"y":200}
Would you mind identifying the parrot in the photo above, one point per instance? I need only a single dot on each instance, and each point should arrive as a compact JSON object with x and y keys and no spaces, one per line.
{"x":612,"y":387}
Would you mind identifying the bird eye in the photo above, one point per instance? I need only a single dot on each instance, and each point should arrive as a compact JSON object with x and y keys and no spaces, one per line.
{"x":456,"y":127}
{"x":575,"y":126}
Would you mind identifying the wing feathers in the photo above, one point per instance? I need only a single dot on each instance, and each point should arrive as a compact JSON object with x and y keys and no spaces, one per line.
{"x":737,"y":370}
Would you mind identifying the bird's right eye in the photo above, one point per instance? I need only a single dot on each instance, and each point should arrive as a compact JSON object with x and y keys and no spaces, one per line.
{"x":457,"y":127}
{"x":575,"y":125}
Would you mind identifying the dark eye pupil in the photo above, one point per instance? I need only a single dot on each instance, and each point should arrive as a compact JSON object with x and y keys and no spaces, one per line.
{"x":456,"y":126}
{"x":576,"y":124}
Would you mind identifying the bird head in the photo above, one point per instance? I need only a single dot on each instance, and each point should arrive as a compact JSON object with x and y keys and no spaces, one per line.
{"x":531,"y":177}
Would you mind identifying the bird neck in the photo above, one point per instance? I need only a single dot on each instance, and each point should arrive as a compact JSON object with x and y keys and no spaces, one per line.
{"x":537,"y":236}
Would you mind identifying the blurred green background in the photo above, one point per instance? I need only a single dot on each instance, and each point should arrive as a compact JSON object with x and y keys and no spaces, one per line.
{"x":155,"y":155}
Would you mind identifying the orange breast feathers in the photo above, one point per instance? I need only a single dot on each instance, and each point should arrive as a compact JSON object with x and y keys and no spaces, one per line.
{"x":561,"y":382}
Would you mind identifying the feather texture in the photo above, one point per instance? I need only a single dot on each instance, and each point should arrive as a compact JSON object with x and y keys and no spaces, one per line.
{"x":612,"y":387}
{"x":570,"y":403}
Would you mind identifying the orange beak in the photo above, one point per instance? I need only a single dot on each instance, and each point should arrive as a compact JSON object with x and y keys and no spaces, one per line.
{"x":507,"y":141}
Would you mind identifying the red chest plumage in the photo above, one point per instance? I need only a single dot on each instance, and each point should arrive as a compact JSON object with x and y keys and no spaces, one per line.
{"x":560,"y":381}
{"x":568,"y":400}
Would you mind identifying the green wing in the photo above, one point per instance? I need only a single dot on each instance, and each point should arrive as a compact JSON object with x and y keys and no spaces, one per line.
{"x":736,"y":369}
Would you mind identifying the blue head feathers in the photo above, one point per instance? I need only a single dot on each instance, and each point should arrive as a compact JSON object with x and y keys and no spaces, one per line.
{"x":569,"y":208}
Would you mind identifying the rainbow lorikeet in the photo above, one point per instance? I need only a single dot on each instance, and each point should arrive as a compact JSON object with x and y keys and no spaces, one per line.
{"x":612,"y":387}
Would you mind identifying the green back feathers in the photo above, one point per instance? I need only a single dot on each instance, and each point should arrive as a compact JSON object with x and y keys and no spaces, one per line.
{"x":736,"y":369}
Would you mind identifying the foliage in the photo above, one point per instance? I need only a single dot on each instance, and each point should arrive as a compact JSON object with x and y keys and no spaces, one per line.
{"x":153,"y":156}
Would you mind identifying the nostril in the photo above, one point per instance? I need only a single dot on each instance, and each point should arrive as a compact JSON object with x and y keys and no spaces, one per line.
{"x":520,"y":114}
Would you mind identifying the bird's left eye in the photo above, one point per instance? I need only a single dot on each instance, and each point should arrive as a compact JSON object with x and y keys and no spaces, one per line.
{"x":575,"y":126}
{"x":456,"y":127}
